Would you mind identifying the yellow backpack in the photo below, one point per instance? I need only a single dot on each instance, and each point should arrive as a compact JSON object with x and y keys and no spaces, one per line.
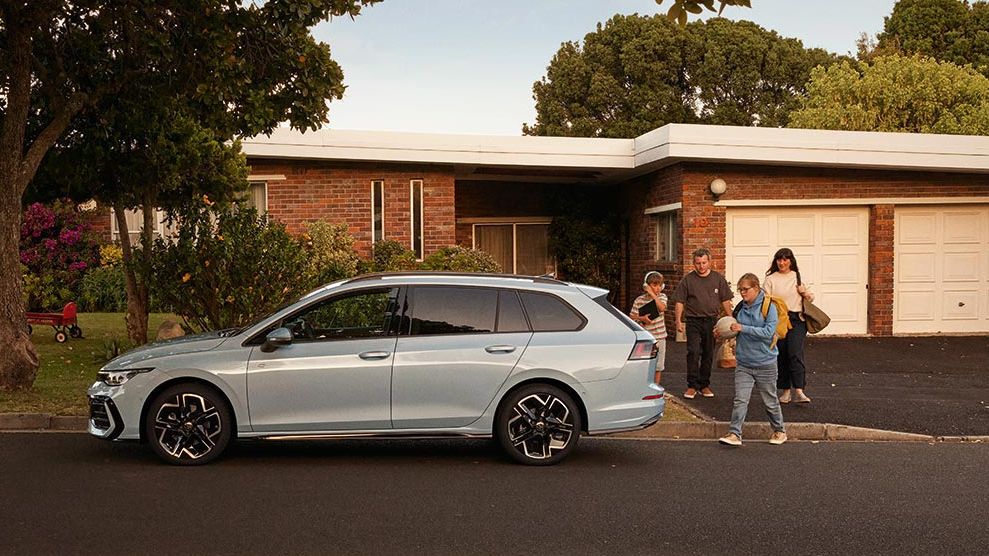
{"x":782,"y":326}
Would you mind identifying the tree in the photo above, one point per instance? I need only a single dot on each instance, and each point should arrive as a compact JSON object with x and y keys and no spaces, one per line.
{"x":680,"y":8}
{"x":635,"y":73}
{"x":948,"y":30}
{"x":245,"y":66}
{"x":910,"y":94}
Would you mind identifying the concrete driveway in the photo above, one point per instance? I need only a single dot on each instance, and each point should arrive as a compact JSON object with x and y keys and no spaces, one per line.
{"x":929,"y":385}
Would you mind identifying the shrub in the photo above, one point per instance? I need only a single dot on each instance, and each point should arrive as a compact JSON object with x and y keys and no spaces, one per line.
{"x":226,"y":267}
{"x":330,"y":252}
{"x":103,"y":290}
{"x":391,"y":256}
{"x":460,"y":259}
{"x":56,"y":248}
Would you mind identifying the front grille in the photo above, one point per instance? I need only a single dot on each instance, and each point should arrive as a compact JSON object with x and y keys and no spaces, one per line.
{"x":98,"y":412}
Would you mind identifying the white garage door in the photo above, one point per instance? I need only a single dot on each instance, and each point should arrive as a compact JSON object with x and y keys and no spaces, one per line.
{"x":941,"y":269}
{"x":831,"y":246}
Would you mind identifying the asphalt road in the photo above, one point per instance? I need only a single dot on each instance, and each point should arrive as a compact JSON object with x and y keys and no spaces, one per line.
{"x":72,"y":494}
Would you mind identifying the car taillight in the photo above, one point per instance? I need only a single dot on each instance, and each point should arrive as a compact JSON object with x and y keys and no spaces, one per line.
{"x":644,"y":349}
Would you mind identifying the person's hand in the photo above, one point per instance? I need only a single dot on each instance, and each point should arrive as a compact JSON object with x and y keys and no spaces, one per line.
{"x":736,"y":327}
{"x":646,"y":319}
{"x":802,"y":290}
{"x":717,"y":337}
{"x":681,"y":327}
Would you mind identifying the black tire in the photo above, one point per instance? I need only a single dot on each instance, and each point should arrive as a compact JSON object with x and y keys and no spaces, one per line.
{"x":188,"y":424}
{"x":61,"y":337}
{"x":538,"y":424}
{"x":75,"y":331}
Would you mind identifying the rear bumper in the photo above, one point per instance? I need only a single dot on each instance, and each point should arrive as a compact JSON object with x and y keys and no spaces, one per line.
{"x":628,"y":415}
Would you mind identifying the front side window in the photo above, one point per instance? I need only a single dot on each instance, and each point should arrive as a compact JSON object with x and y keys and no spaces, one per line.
{"x":362,"y":314}
{"x":453,"y":310}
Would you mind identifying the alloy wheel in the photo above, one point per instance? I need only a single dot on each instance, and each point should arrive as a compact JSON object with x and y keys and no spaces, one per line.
{"x":188,"y":426}
{"x":541,"y":426}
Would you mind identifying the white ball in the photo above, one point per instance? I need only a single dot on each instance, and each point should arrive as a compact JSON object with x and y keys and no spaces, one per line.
{"x":724,"y":328}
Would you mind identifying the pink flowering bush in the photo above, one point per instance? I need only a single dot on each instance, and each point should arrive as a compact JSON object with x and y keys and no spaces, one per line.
{"x":57,"y":248}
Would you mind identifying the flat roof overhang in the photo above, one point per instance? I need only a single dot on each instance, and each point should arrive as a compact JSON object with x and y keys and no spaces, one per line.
{"x":604,"y":161}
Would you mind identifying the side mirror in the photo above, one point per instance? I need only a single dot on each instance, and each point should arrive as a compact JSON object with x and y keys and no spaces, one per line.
{"x":277,"y":337}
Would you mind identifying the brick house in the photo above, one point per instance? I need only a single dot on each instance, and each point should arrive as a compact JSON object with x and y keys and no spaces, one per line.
{"x":890,"y":230}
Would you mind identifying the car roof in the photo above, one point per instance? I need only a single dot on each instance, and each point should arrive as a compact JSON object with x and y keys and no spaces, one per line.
{"x":462,"y":278}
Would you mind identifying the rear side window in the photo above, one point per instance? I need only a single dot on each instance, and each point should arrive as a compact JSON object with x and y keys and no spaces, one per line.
{"x":510,"y":315}
{"x":453,"y":310}
{"x":550,"y":313}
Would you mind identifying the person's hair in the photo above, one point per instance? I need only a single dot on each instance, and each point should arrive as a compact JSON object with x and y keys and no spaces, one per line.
{"x":652,"y":277}
{"x":788,"y":254}
{"x":702,"y":252}
{"x":749,"y":279}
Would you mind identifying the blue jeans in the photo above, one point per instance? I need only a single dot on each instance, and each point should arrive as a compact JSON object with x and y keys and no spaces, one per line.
{"x":764,"y":379}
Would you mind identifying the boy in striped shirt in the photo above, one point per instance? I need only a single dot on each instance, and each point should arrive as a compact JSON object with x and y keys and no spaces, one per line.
{"x":653,"y":291}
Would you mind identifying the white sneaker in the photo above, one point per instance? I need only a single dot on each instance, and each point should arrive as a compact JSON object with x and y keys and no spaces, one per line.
{"x":777,"y":438}
{"x":731,"y":439}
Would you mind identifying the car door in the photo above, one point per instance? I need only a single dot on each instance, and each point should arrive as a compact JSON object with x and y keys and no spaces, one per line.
{"x":336,"y":373}
{"x":459,"y":347}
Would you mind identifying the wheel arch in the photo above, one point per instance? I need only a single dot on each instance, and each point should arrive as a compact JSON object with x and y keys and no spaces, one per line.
{"x":552,"y":382}
{"x":187,"y":380}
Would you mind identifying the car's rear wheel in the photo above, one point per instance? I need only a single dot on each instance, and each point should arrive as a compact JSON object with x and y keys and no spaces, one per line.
{"x":538,"y":424}
{"x":188,"y":424}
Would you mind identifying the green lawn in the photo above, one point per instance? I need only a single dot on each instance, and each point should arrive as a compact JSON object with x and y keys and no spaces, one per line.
{"x":68,"y":369}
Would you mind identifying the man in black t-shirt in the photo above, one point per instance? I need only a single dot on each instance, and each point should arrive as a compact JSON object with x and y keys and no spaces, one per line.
{"x":698,"y":297}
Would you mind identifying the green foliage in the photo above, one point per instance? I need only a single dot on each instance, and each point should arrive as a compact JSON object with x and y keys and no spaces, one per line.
{"x":227,"y":267}
{"x":585,"y":239}
{"x":391,"y":256}
{"x":635,"y":74}
{"x":329,"y":252}
{"x":460,"y":259}
{"x":680,"y":8}
{"x":56,"y":248}
{"x":908,"y":94}
{"x":948,"y":30}
{"x":103,"y":290}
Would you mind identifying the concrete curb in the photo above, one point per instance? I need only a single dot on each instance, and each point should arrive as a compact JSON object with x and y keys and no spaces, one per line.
{"x":663,"y":430}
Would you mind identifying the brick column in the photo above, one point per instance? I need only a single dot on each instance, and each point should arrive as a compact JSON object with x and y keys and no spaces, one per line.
{"x":881,"y":270}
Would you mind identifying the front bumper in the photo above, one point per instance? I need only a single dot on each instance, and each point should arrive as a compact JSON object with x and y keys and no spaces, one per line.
{"x":104,"y":418}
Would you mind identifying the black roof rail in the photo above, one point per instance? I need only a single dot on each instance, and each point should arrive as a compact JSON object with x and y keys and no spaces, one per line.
{"x":416,"y":274}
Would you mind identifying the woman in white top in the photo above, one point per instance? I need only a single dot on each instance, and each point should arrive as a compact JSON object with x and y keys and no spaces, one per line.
{"x":783,"y":281}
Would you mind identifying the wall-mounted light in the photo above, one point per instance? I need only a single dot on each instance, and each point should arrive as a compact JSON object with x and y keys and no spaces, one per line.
{"x":718,"y":186}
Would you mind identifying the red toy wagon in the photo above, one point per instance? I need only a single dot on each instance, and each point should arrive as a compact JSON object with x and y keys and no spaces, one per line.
{"x":64,"y":323}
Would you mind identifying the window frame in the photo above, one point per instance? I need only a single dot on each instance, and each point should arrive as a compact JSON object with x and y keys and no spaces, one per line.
{"x":380,"y":196}
{"x":515,"y":223}
{"x":659,"y":220}
{"x":420,"y":212}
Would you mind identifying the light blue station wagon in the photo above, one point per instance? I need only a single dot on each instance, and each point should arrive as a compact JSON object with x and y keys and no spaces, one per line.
{"x":533,"y":362}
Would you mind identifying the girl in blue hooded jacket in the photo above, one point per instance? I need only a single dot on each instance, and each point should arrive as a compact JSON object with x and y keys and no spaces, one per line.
{"x":756,"y":357}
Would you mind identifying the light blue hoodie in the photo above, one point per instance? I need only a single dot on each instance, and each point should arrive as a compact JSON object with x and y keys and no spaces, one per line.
{"x":752,"y":346}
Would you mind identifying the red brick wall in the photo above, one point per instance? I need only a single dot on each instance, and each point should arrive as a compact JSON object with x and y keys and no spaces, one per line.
{"x":881,"y":269}
{"x":341,"y":193}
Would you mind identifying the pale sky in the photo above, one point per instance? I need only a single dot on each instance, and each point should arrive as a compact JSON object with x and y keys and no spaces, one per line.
{"x":467,"y":66}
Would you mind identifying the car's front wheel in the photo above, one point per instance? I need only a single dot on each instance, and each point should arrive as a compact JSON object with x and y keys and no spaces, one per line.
{"x":538,"y":424}
{"x":188,"y":424}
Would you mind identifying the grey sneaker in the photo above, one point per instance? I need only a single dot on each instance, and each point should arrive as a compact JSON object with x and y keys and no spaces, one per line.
{"x":777,"y":438}
{"x":731,"y":439}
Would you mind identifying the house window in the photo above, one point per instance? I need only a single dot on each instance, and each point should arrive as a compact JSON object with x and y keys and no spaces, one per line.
{"x":135,"y":223}
{"x":415,"y":187}
{"x":520,"y":248}
{"x":377,"y":211}
{"x":257,"y":196}
{"x":666,"y":236}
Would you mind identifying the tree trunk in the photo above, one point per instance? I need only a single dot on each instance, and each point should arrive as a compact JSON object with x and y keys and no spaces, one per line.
{"x":137,"y":294}
{"x":18,"y":356}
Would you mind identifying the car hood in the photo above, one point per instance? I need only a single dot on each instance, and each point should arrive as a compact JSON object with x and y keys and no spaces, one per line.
{"x":175,"y":346}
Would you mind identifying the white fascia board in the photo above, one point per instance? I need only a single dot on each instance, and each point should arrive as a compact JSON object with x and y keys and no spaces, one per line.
{"x":805,"y":147}
{"x":566,"y":152}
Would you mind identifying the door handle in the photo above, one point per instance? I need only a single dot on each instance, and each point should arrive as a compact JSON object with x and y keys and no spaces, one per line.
{"x":500,"y":349}
{"x":374,"y":355}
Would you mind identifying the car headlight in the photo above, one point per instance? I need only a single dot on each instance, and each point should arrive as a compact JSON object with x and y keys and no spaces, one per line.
{"x":116,"y":378}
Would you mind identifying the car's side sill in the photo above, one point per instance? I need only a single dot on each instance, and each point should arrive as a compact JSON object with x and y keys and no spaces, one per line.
{"x":344,"y":435}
